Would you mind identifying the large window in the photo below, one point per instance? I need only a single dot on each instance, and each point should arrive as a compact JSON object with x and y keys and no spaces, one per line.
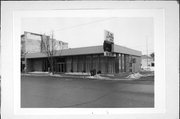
{"x":88,"y":63}
{"x":120,"y":63}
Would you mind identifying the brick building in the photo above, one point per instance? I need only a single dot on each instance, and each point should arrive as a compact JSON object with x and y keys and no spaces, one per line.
{"x":32,"y":42}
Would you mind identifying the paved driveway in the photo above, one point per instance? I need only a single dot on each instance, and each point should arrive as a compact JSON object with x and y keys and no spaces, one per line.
{"x":54,"y":92}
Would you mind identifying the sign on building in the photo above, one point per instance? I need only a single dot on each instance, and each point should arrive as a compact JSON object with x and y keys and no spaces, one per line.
{"x":109,"y":54}
{"x":108,"y":36}
{"x":108,"y":44}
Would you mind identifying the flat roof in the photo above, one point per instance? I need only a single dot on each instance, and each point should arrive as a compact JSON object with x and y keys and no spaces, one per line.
{"x":86,"y":51}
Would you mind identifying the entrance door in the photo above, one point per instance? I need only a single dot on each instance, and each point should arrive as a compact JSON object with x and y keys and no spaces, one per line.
{"x":61,"y":67}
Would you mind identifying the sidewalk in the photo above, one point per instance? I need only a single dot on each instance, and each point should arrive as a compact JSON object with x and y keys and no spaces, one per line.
{"x":72,"y":75}
{"x":76,"y":75}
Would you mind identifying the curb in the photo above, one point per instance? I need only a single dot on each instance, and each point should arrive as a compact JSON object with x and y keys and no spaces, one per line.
{"x":84,"y":77}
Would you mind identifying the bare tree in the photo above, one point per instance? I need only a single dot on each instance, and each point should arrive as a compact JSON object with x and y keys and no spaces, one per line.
{"x":24,"y":54}
{"x":152,"y":55}
{"x":49,"y":47}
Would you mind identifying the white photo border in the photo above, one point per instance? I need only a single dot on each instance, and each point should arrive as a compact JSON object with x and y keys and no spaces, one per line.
{"x":159,"y":82}
{"x":166,"y":41}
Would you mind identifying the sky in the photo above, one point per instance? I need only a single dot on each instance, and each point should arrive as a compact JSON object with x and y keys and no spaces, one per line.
{"x":135,"y":33}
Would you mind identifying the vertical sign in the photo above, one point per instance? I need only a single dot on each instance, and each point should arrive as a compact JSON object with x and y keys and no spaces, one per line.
{"x":108,"y":45}
{"x":109,"y":36}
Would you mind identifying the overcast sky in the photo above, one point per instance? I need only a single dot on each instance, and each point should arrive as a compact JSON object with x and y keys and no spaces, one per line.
{"x":81,"y":32}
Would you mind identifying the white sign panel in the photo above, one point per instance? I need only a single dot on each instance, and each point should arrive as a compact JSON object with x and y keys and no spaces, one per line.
{"x":109,"y":54}
{"x":109,"y":36}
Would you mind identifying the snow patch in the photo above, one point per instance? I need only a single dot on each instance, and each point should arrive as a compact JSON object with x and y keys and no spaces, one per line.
{"x":134,"y":76}
{"x":77,"y":73}
{"x":97,"y":77}
{"x":55,"y":75}
{"x":138,"y":75}
{"x":39,"y":72}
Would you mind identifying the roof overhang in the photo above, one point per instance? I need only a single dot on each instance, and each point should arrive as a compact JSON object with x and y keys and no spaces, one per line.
{"x":86,"y":51}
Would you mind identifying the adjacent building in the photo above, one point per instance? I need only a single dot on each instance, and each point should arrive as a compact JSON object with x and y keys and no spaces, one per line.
{"x":147,"y":63}
{"x":32,"y":42}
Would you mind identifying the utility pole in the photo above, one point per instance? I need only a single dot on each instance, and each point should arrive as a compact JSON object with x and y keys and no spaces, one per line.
{"x":52,"y":50}
{"x":147,"y":49}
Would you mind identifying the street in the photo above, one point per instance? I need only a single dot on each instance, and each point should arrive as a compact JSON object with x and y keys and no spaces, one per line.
{"x":59,"y":92}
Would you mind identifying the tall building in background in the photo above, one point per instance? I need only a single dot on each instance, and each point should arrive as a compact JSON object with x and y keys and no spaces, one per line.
{"x":32,"y":42}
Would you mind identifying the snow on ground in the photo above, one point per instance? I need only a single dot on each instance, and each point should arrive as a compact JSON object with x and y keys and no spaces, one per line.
{"x":98,"y":77}
{"x":138,"y":75}
{"x":55,"y":75}
{"x":77,"y":73}
{"x":134,"y":76}
{"x":39,"y":72}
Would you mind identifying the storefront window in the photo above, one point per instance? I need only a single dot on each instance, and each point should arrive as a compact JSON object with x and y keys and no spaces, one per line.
{"x":120,"y":62}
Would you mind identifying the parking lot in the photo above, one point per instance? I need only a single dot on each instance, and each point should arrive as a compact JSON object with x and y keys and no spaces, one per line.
{"x":60,"y":92}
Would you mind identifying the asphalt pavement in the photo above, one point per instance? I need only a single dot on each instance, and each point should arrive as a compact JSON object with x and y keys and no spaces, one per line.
{"x":59,"y":92}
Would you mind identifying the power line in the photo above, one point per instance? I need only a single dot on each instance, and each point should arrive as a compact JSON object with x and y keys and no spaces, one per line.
{"x":79,"y":25}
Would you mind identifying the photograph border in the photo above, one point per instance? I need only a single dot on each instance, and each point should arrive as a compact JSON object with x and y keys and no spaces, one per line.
{"x":158,"y":19}
{"x":11,"y":99}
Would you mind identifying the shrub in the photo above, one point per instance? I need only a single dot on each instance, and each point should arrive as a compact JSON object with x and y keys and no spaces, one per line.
{"x":93,"y":72}
{"x":99,"y":72}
